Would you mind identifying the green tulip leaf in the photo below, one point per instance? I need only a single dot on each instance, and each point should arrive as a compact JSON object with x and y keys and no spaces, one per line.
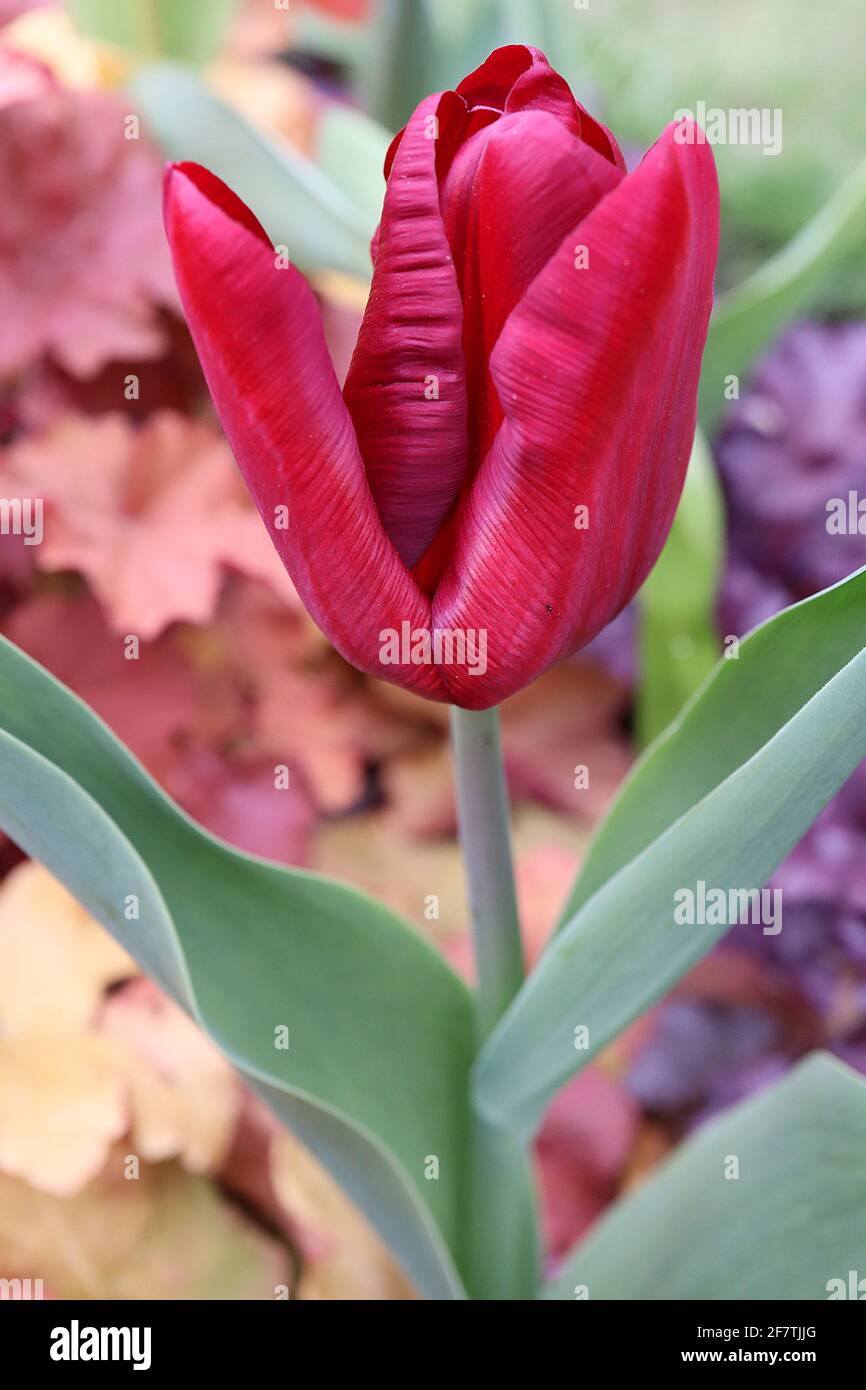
{"x":350,"y":150}
{"x":403,"y":60}
{"x":294,"y":200}
{"x":720,"y":799}
{"x":350,"y":1025}
{"x":415,"y":47}
{"x":678,"y":642}
{"x":556,"y":28}
{"x":193,"y":30}
{"x":765,"y":1202}
{"x":748,"y":317}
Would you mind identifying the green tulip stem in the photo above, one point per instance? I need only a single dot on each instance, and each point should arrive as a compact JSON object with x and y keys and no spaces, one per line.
{"x":483,"y":818}
{"x":500,"y":1221}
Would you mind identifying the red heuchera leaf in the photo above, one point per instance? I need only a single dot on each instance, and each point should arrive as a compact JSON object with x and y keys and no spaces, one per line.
{"x":151,"y":516}
{"x":170,"y":382}
{"x":562,"y":740}
{"x":82,"y":256}
{"x":150,"y":703}
{"x":587,"y":1137}
{"x":242,"y":804}
{"x":307,"y":708}
{"x":176,"y":719}
{"x":17,"y":562}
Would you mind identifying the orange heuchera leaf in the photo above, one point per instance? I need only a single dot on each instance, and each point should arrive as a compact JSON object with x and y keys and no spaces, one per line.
{"x":57,"y":962}
{"x":151,"y":516}
{"x":62,"y":1105}
{"x":185,"y":1098}
{"x":169,"y":1233}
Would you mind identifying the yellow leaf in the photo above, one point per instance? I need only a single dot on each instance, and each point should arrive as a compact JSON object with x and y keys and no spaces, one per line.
{"x":165,"y":1234}
{"x":62,"y":1104}
{"x":184,"y":1096}
{"x":353,"y":1263}
{"x":55,"y":960}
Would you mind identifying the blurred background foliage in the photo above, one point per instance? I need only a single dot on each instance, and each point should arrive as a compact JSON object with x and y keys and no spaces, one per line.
{"x":295,"y":105}
{"x":636,"y":64}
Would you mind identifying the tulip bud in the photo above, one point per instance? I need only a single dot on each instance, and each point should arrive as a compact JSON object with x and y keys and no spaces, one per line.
{"x":529,"y":355}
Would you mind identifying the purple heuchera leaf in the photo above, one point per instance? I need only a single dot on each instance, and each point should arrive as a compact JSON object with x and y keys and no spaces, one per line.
{"x":795,"y":440}
{"x":695,"y":1047}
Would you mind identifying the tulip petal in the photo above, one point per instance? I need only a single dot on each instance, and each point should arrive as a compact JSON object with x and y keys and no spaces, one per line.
{"x":597,"y":373}
{"x":599,"y":138}
{"x":534,"y":181}
{"x":542,"y":89}
{"x":491,"y":82}
{"x":406,"y":387}
{"x":519,"y":78}
{"x":260,"y":341}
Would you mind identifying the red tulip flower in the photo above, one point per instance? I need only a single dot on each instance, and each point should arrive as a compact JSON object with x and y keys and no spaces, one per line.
{"x":501,"y":469}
